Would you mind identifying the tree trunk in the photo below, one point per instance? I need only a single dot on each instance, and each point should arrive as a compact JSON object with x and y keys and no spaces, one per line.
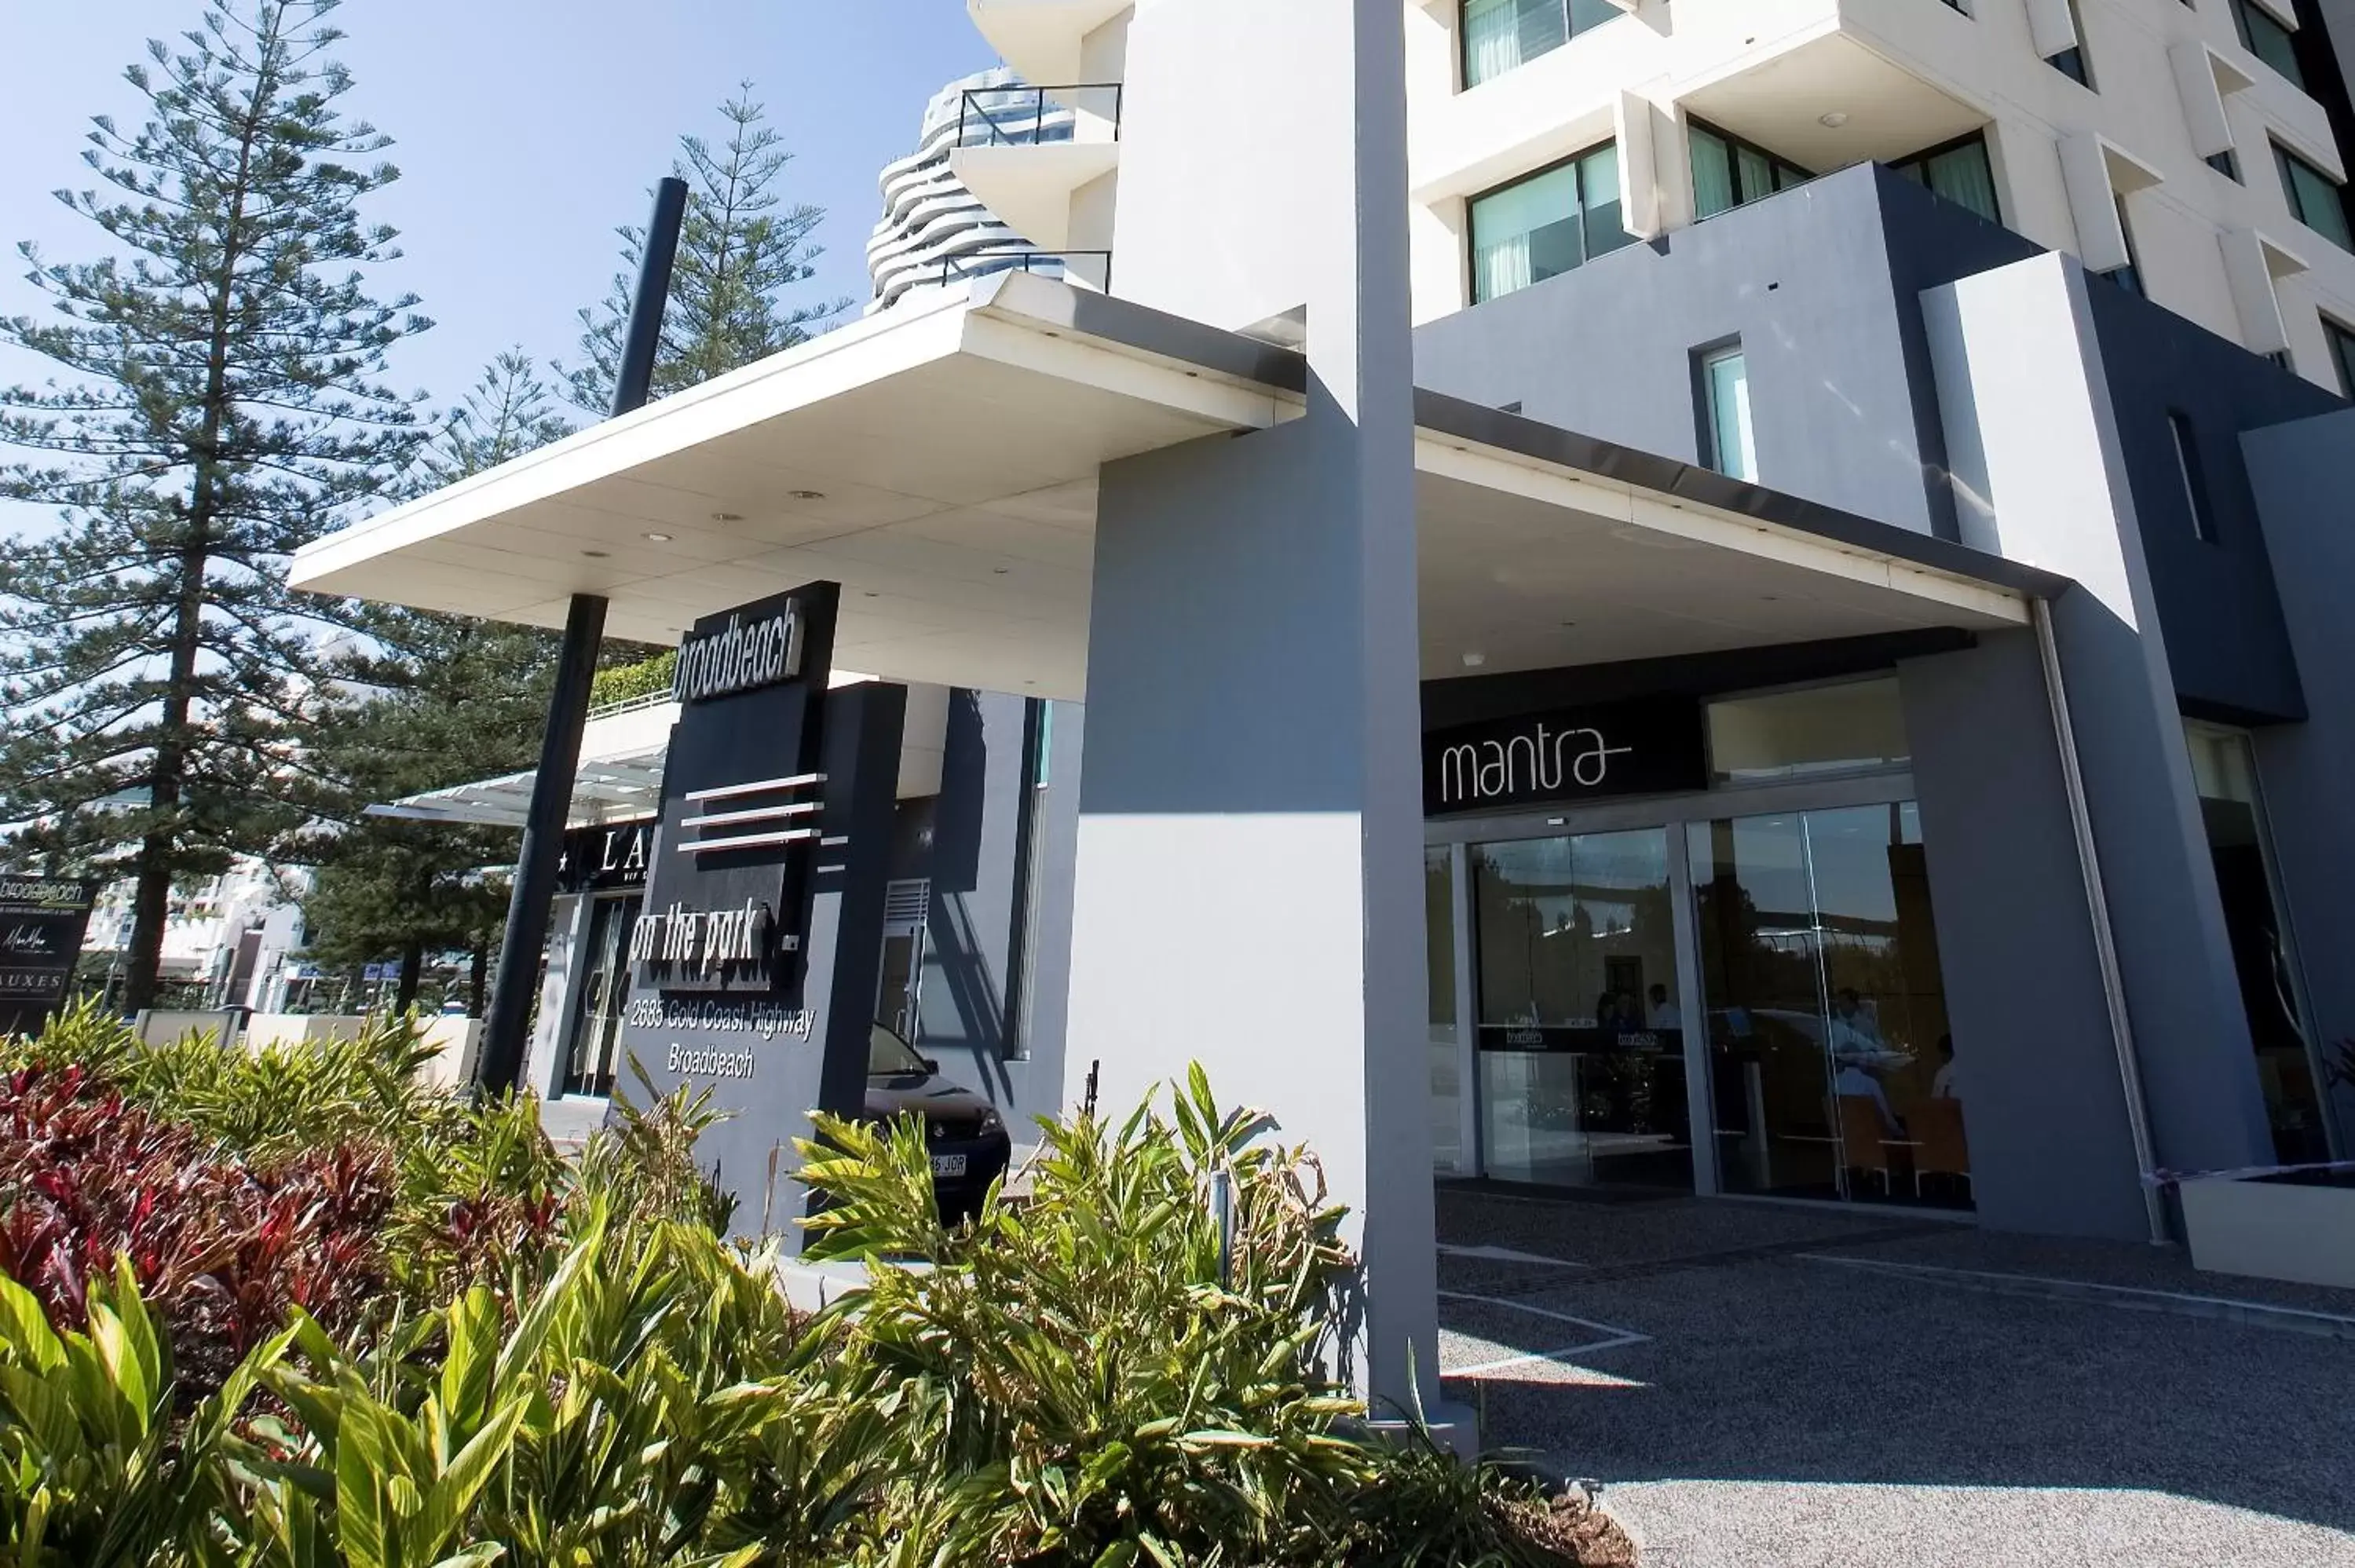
{"x":152,"y":904}
{"x":412,"y":959}
{"x":477,"y":972}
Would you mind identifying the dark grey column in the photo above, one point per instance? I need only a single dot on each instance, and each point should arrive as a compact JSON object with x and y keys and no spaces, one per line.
{"x":506,"y":1033}
{"x":2043,"y":1105}
{"x":506,"y":1030}
{"x":2032,"y":439}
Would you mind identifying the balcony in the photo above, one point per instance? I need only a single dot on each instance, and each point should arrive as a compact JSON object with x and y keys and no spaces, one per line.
{"x":1823,"y":83}
{"x":1025,"y":152}
{"x":1849,"y":82}
{"x":1045,"y":40}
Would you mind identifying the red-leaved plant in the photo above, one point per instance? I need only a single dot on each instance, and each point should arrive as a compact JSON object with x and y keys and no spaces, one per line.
{"x":221,"y":1249}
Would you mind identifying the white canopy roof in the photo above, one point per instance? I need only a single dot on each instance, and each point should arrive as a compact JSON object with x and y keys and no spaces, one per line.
{"x":939,"y":461}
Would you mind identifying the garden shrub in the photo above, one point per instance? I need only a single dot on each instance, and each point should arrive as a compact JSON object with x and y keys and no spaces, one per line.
{"x":425,"y":1340}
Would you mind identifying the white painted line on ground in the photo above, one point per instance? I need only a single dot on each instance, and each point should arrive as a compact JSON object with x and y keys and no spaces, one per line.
{"x":1612,"y":1338}
{"x":1561,"y":1357}
{"x":2233,"y":1307}
{"x":1506,"y":1255}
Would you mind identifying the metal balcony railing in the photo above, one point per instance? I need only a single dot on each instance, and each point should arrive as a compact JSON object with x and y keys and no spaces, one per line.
{"x":1051,"y":264}
{"x":1021,"y":116}
{"x":631,"y":704}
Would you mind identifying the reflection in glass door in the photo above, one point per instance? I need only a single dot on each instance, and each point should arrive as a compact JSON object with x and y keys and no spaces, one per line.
{"x":605,"y":991}
{"x":1582,"y":1044}
{"x":1832,"y":1070}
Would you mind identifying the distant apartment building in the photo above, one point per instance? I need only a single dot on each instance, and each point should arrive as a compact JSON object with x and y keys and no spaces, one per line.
{"x":936,"y":233}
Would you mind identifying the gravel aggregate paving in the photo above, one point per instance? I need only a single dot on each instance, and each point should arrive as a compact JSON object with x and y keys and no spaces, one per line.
{"x":1759,"y":1404}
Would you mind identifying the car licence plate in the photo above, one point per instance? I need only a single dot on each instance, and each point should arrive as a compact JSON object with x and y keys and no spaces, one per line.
{"x":948,"y":1165}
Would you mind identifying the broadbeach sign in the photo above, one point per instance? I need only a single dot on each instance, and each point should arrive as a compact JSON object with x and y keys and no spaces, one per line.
{"x":743,"y":655}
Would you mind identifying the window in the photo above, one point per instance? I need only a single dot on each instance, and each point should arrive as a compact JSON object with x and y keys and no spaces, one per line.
{"x":2226,"y":163}
{"x":2263,"y":35}
{"x":1858,"y":726}
{"x":1960,"y":171}
{"x":1727,"y":171}
{"x":2194,"y":475}
{"x":1544,"y":225}
{"x":2341,"y":340}
{"x":2315,"y":198}
{"x":900,"y":989}
{"x":1503,"y":34}
{"x":2265,"y":951}
{"x":2129,"y":275}
{"x":2073,"y":61}
{"x":1730,"y":446}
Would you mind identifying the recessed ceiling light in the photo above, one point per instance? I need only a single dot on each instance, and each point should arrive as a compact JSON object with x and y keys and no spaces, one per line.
{"x":727,"y":517}
{"x":659,"y":538}
{"x":597,"y":554}
{"x":1833,"y":120}
{"x":806,"y":494}
{"x":1473,"y":661}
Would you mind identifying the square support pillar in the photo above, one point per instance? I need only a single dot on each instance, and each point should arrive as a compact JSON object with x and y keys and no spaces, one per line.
{"x":1249,"y":881}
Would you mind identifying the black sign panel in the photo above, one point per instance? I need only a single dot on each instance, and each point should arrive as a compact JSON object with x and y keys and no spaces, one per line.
{"x":42,"y":921}
{"x":1566,"y":756}
{"x":754,"y":959}
{"x":610,"y":857}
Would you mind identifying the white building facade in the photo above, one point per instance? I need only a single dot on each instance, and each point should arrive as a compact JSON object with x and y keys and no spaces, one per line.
{"x":2185,"y":149}
{"x":230,"y":938}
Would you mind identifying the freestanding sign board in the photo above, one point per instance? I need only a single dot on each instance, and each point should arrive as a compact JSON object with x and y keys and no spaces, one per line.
{"x":754,"y":958}
{"x":42,"y":919}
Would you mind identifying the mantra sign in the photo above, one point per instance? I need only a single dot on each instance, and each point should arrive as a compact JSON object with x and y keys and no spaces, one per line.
{"x":741,"y":657}
{"x":1565,"y":754}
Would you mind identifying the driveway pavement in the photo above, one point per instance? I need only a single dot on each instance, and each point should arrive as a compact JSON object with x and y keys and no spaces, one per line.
{"x":1759,"y":1385}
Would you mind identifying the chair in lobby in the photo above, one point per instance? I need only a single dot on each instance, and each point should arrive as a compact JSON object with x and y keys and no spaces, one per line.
{"x":1863,"y":1140}
{"x":1940,"y":1148}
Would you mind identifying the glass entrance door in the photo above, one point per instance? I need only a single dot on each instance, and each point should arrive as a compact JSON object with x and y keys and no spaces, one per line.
{"x":1582,"y":1043}
{"x":1832,"y":1070}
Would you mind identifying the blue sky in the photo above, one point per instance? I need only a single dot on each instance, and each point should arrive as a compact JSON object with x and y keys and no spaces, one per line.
{"x":524,"y":131}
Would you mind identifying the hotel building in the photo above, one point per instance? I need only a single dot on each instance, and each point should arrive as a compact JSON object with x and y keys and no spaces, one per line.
{"x":1723,"y":595}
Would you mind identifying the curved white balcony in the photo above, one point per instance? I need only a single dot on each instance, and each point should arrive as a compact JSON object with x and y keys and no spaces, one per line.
{"x":1043,"y":39}
{"x":1031,"y":187}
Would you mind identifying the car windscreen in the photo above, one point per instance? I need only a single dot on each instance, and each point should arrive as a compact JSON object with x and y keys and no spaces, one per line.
{"x":888,"y":1056}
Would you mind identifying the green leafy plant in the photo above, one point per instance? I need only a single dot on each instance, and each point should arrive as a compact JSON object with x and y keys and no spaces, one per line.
{"x":96,"y":1471}
{"x":1105,"y":1376}
{"x":555,"y":1367}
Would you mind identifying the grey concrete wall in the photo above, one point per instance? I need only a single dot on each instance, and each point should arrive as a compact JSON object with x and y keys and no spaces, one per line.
{"x":2304,"y":480}
{"x":2043,"y":1102}
{"x":2034,"y":442}
{"x":1838,"y":370}
{"x":975,"y":822}
{"x":971,"y":852}
{"x":2226,"y":644}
